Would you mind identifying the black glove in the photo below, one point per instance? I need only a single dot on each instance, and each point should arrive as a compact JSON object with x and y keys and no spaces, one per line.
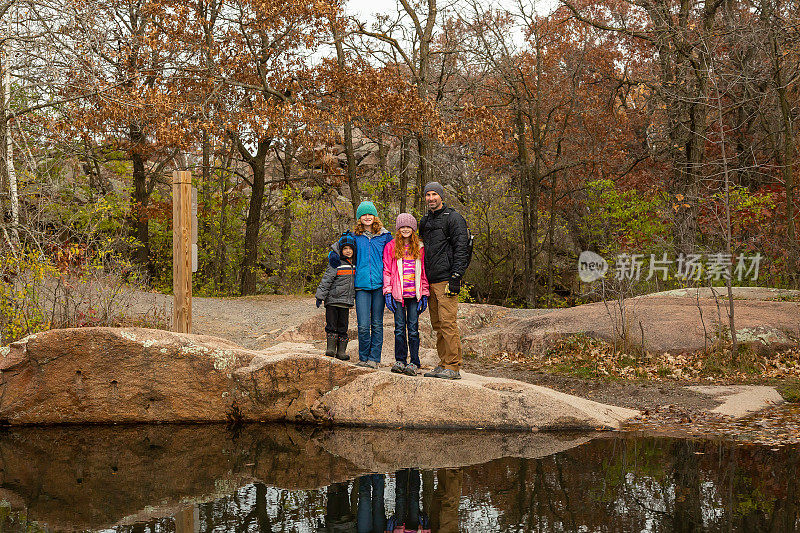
{"x":454,"y":287}
{"x":319,"y":302}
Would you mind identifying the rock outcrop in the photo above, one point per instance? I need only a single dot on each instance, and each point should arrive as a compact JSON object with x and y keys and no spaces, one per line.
{"x":652,"y":320}
{"x":108,"y":375}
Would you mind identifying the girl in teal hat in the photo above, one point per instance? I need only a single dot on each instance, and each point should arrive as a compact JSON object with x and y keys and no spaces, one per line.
{"x":371,"y":238}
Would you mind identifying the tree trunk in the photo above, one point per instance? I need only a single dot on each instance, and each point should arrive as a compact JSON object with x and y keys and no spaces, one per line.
{"x":383,"y":150}
{"x":551,"y":237}
{"x":405,"y":157}
{"x":687,"y":514}
{"x":533,"y":235}
{"x":787,"y":156}
{"x":352,"y":176}
{"x":286,"y":229}
{"x":140,"y":199}
{"x":424,"y":170}
{"x":684,"y":78}
{"x":220,"y":256}
{"x":424,"y":142}
{"x":204,"y":197}
{"x":728,"y":236}
{"x":529,"y":205}
{"x":9,"y":172}
{"x":257,"y":164}
{"x":286,"y":210}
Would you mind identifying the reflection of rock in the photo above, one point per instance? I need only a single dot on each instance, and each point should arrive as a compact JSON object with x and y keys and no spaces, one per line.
{"x":136,"y":375}
{"x":387,"y":450}
{"x":88,"y":477}
{"x":94,"y":477}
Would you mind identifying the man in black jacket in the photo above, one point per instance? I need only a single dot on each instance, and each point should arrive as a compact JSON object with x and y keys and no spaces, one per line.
{"x":446,"y":239}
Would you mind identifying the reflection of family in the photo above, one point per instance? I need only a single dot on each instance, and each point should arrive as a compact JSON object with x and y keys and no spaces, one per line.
{"x":421,"y":267}
{"x":367,"y":513}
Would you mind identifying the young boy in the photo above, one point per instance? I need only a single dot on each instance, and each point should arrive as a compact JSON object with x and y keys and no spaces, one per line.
{"x":337,"y":289}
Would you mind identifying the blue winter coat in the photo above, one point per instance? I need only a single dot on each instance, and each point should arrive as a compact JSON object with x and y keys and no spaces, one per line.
{"x":369,"y":259}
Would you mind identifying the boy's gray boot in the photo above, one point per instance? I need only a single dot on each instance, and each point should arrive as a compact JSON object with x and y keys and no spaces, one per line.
{"x":330,"y":349}
{"x":341,"y":349}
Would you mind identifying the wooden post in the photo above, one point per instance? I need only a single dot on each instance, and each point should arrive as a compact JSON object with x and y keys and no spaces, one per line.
{"x":182,"y":251}
{"x":188,"y":520}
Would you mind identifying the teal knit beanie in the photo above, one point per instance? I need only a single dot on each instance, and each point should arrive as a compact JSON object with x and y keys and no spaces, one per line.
{"x":366,"y":208}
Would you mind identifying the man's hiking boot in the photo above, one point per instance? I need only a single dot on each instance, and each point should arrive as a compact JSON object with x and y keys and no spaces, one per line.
{"x":446,"y":373}
{"x":341,"y":349}
{"x":371,"y":364}
{"x":434,"y":373}
{"x":330,"y":349}
{"x":410,"y":370}
{"x":362,"y":363}
{"x":398,"y":367}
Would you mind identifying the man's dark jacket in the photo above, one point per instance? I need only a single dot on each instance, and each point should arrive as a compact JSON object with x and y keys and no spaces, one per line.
{"x":446,"y":238}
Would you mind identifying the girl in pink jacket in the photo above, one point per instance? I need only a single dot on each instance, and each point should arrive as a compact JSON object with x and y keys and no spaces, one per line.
{"x":405,"y":289}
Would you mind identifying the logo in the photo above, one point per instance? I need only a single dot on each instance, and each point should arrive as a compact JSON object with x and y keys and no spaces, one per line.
{"x":591,"y":267}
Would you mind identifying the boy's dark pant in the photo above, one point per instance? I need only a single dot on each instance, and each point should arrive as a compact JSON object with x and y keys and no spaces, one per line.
{"x":337,"y":320}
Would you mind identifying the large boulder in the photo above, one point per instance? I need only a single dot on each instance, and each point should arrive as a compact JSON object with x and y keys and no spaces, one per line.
{"x":108,"y":375}
{"x":98,"y":375}
{"x":112,"y":375}
{"x":392,"y":400}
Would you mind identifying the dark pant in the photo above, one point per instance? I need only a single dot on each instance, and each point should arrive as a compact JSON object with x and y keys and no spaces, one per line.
{"x":337,"y":320}
{"x":406,"y":317}
{"x":369,"y":313}
{"x":338,"y":516}
{"x":406,"y":503}
{"x":371,"y":516}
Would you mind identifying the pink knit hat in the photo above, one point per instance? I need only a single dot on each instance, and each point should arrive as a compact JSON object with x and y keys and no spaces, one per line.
{"x":406,"y":220}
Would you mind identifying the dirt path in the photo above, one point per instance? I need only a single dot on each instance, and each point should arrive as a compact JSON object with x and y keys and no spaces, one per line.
{"x":252,"y":321}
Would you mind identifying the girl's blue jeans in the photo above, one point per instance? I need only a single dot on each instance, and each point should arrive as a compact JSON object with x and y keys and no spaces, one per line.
{"x":369,"y":314}
{"x":371,"y":517}
{"x":406,"y":318}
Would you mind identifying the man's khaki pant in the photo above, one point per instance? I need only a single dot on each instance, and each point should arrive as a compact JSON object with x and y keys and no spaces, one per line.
{"x":446,"y":499}
{"x":444,"y":311}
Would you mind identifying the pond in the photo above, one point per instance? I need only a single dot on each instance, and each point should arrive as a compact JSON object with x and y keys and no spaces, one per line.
{"x":295,"y":478}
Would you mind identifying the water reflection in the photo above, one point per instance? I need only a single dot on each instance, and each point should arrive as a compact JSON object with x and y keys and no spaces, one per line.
{"x":407,"y":514}
{"x":284,"y":478}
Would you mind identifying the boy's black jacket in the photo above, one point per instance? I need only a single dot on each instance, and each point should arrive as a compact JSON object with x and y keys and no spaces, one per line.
{"x":337,"y":286}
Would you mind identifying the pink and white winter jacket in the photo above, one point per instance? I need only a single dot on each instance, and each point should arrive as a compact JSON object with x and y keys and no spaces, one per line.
{"x":393,"y":273}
